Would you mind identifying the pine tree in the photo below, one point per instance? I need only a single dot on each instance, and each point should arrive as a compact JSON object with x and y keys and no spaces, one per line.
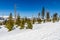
{"x":43,"y":14}
{"x":22,"y":24}
{"x":18,"y":20}
{"x":39,"y":20}
{"x":10,"y":23}
{"x":55,"y":17}
{"x":48,"y":17}
{"x":29,"y":24}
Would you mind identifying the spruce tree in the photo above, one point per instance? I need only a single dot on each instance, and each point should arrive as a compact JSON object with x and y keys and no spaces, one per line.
{"x":10,"y":23}
{"x":22,"y":24}
{"x":55,"y":17}
{"x":39,"y":20}
{"x":29,"y":24}
{"x":43,"y":14}
{"x":18,"y":20}
{"x":48,"y":17}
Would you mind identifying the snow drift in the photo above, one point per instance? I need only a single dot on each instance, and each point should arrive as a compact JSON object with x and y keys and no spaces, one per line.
{"x":44,"y":31}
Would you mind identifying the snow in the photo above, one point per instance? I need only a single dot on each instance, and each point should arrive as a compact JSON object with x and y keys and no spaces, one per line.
{"x":44,"y":31}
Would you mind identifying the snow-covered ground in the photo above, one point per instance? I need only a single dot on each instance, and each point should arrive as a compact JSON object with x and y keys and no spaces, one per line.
{"x":44,"y":31}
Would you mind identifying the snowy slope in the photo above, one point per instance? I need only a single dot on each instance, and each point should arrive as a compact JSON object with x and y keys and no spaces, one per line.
{"x":44,"y":31}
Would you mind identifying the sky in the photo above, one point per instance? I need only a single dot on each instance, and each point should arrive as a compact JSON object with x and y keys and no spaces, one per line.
{"x":29,"y":7}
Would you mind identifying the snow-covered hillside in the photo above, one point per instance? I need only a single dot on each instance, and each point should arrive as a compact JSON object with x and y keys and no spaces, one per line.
{"x":44,"y":31}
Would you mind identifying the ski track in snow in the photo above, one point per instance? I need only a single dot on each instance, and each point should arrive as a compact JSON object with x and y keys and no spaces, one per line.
{"x":44,"y":31}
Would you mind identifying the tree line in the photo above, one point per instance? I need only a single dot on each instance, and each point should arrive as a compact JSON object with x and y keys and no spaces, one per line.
{"x":21,"y":22}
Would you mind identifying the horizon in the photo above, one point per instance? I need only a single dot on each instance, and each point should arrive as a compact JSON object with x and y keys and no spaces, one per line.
{"x":29,"y":7}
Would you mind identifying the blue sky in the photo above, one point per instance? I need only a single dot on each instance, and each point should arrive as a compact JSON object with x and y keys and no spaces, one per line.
{"x":29,"y":7}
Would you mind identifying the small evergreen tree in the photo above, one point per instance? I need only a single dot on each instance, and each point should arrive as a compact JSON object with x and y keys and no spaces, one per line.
{"x":10,"y":23}
{"x":22,"y":24}
{"x":48,"y":17}
{"x":29,"y":24}
{"x":18,"y":20}
{"x":39,"y":20}
{"x":43,"y":14}
{"x":55,"y":17}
